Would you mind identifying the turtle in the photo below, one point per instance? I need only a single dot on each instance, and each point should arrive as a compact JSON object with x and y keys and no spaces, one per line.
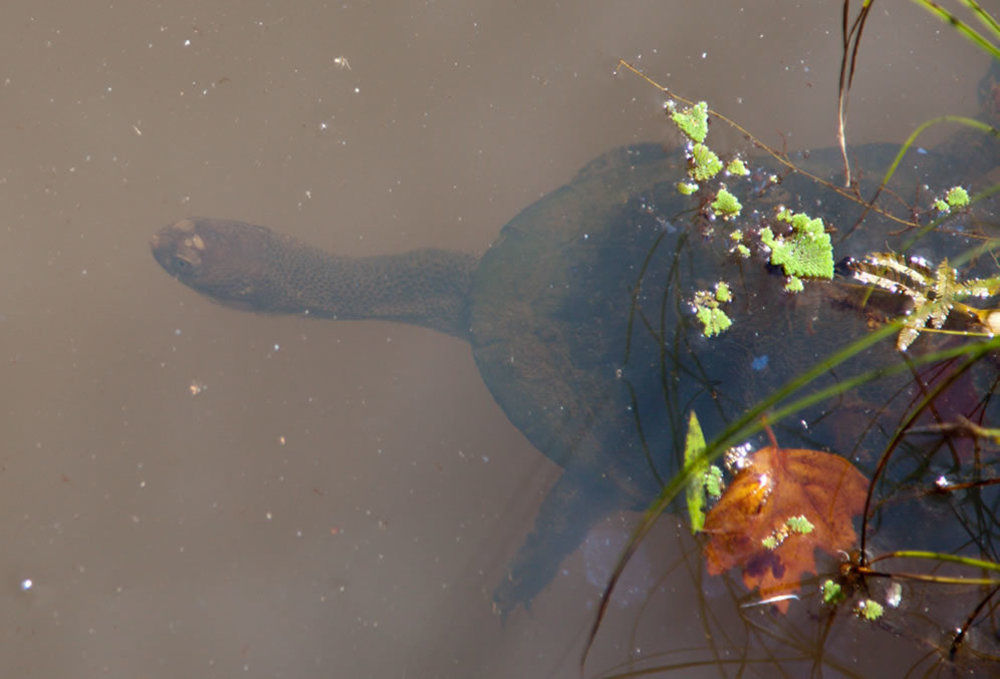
{"x":579,"y":315}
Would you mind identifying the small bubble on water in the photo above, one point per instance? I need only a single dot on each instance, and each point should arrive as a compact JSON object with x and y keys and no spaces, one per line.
{"x":27,"y":584}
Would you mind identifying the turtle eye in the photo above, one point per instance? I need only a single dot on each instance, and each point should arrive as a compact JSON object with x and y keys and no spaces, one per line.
{"x":182,"y":265}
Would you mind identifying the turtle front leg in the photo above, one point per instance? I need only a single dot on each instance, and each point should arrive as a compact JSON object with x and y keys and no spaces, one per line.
{"x":574,"y":504}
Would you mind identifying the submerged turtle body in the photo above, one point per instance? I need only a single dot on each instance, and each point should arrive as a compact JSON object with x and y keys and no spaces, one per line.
{"x":579,"y":321}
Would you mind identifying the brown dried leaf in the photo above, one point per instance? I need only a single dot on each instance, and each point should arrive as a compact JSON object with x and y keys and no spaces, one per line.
{"x":777,"y":485}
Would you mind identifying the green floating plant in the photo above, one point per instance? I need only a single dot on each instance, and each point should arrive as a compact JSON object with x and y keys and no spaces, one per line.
{"x":713,"y":482}
{"x":800,"y":524}
{"x":714,"y":320}
{"x":686,"y":188}
{"x":706,"y":306}
{"x":705,"y":164}
{"x":806,"y":252}
{"x":693,"y":121}
{"x":736,"y":236}
{"x":793,"y":525}
{"x":832,"y":593}
{"x":737,"y":168}
{"x":869,"y":609}
{"x":956,"y":198}
{"x":726,"y":205}
{"x":794,"y":284}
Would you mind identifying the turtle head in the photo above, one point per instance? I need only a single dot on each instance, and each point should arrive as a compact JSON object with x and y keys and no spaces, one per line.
{"x":222,"y":259}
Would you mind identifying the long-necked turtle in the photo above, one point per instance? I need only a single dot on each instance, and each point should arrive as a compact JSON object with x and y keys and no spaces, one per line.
{"x":579,"y":317}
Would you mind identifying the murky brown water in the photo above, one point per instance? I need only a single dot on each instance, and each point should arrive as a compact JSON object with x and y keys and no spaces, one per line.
{"x":340,"y":499}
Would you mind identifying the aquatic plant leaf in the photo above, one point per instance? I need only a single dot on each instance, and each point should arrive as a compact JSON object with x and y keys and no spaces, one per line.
{"x":705,"y":164}
{"x":714,"y":321}
{"x":707,"y":308}
{"x":806,"y":251}
{"x":726,"y":205}
{"x":780,"y":508}
{"x":935,"y":292}
{"x":694,"y":446}
{"x":794,"y":284}
{"x":737,"y":168}
{"x":955,"y":198}
{"x":832,"y":593}
{"x":869,"y":610}
{"x":693,"y":121}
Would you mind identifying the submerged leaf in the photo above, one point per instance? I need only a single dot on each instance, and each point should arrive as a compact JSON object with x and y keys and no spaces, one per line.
{"x":780,"y":508}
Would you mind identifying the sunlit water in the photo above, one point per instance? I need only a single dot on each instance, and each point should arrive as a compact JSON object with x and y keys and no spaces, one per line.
{"x":192,"y":491}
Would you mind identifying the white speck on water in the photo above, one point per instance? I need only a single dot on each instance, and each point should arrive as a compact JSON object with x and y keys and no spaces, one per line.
{"x":27,"y":584}
{"x":268,"y":516}
{"x":187,"y":43}
{"x":894,"y":596}
{"x":277,"y":347}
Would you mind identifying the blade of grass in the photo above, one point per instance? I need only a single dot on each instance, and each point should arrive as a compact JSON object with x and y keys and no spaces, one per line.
{"x":967,"y":31}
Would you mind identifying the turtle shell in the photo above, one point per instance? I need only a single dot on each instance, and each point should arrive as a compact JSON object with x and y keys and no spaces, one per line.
{"x":583,"y":329}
